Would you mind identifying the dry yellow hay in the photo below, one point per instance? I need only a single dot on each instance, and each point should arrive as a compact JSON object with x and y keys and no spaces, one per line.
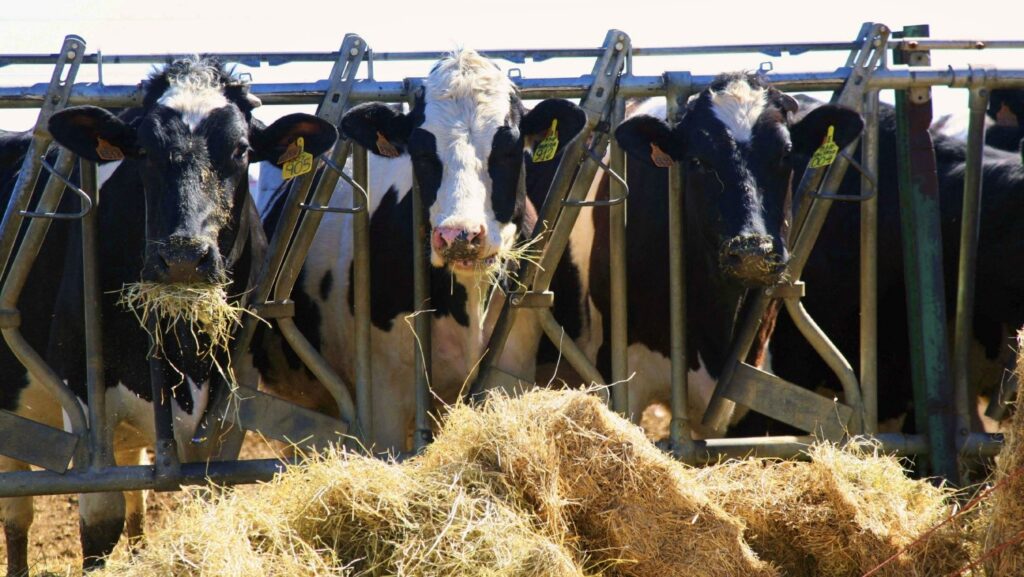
{"x":204,"y":308}
{"x":841,"y":514}
{"x":591,"y":474}
{"x":554,"y":484}
{"x":1007,"y":520}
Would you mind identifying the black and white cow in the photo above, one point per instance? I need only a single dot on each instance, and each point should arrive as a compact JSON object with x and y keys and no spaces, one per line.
{"x":832,"y":277}
{"x":735,"y":141}
{"x":175,"y":209}
{"x":464,"y":139}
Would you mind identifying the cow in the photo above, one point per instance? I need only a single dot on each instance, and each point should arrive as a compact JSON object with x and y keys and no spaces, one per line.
{"x":831,"y":277}
{"x":735,"y":140}
{"x":175,"y":208}
{"x":464,"y":141}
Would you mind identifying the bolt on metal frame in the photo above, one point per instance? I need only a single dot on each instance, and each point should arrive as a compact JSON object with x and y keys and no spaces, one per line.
{"x":603,"y":92}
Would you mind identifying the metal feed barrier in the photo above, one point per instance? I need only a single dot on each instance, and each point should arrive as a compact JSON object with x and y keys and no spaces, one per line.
{"x":603,"y":93}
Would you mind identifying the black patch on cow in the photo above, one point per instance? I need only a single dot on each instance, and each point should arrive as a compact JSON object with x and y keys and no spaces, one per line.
{"x":504,"y":165}
{"x":391,"y":279}
{"x":325,"y":285}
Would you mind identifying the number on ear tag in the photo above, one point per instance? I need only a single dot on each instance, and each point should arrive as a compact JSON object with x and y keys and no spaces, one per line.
{"x":300,"y":161}
{"x":546,"y":149}
{"x":827,"y":152}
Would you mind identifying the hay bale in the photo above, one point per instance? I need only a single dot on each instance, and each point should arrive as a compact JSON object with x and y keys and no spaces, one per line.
{"x":1007,"y":518}
{"x":841,"y":514}
{"x":345,"y":514}
{"x":587,"y":472}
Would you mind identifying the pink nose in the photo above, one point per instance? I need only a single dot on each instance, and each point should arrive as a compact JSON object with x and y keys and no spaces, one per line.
{"x":444,"y":237}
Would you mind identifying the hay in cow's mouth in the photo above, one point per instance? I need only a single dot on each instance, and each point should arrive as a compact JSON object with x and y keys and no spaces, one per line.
{"x":204,"y":309}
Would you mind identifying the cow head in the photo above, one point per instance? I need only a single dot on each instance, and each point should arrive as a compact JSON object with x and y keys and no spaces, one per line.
{"x":466,"y":137}
{"x":191,"y":145}
{"x":735,"y":141}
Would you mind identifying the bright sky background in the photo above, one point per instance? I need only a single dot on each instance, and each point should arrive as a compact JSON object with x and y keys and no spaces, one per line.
{"x":176,"y":26}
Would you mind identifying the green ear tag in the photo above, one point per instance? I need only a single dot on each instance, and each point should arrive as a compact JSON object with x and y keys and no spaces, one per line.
{"x":546,"y":149}
{"x":300,"y":162}
{"x":826,"y":153}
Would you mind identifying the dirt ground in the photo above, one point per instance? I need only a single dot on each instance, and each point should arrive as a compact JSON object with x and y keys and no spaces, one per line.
{"x":54,"y":547}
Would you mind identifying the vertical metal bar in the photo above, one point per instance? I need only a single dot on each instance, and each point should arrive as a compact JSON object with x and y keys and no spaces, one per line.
{"x":422,"y":321}
{"x":68,"y":60}
{"x":617,"y":271}
{"x":166,"y":466}
{"x":361,"y":294}
{"x":922,"y":259}
{"x":680,"y":427}
{"x":869,"y":268}
{"x":99,"y":429}
{"x":970,"y":225}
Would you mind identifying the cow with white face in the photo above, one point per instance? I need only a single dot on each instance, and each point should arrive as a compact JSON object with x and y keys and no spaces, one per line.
{"x":464,"y":141}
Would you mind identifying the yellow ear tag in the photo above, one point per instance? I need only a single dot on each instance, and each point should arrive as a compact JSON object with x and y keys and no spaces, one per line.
{"x":546,"y":149}
{"x":300,"y":163}
{"x":826,"y":153}
{"x":107,"y":151}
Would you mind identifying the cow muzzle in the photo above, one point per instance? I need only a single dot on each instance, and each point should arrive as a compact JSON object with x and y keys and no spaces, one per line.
{"x":463,"y":248}
{"x":186,"y":261}
{"x":752,"y":260}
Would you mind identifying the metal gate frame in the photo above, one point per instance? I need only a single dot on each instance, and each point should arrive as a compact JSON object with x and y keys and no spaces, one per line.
{"x":611,"y":82}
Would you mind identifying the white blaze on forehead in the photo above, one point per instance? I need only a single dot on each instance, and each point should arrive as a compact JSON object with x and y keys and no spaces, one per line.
{"x":194,"y":96}
{"x":739,"y":106}
{"x":467,"y":100}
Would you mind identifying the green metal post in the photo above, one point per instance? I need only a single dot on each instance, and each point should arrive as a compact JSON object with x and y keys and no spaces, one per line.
{"x":922,"y":258}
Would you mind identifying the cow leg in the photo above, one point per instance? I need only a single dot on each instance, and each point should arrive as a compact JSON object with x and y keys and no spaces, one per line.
{"x":16,"y":513}
{"x":134,"y":501}
{"x":101,"y":521}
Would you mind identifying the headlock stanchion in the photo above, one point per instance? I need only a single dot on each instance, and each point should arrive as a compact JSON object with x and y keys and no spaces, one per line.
{"x":568,"y":188}
{"x":280,"y":269}
{"x":756,"y":389}
{"x":39,"y":444}
{"x":945,"y":433}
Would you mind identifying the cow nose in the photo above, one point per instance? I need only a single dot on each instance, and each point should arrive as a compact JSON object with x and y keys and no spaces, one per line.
{"x":186,"y":262}
{"x":459,"y":243}
{"x":752,"y":260}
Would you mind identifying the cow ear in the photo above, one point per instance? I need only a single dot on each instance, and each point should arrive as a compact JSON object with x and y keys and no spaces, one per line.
{"x":650,"y":140}
{"x":270,"y":143}
{"x":810,"y":132}
{"x":93,"y":133}
{"x":379,"y":128}
{"x":567,"y":120}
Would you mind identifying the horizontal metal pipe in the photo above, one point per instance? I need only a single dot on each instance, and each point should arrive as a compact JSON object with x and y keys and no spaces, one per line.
{"x":534,"y":88}
{"x":134,"y":478}
{"x":538,"y":55}
{"x":787,"y":447}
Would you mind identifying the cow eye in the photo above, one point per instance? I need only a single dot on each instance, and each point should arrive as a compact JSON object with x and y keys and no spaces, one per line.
{"x":697,"y":164}
{"x":241,"y":151}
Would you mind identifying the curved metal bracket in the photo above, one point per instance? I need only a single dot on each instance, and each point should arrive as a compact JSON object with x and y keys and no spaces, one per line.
{"x":592,"y":156}
{"x":872,"y":180}
{"x":86,"y":201}
{"x":336,"y":209}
